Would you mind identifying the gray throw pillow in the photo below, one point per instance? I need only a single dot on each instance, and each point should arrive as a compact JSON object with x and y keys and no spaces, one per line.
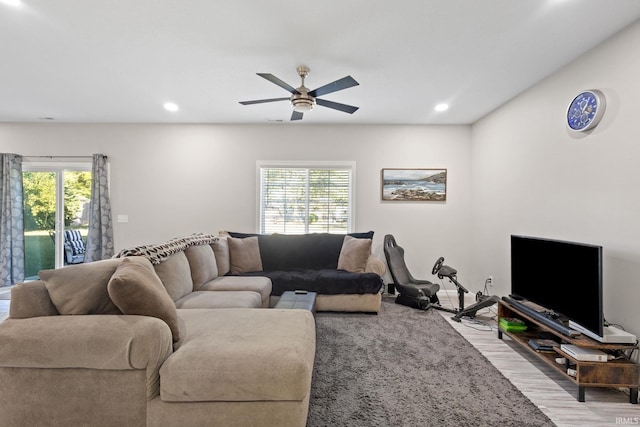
{"x":137,"y":289}
{"x":81,"y":288}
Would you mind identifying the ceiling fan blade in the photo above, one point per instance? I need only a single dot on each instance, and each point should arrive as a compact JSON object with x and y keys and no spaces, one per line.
{"x":343,"y":83}
{"x":260,"y":101}
{"x":337,"y":106}
{"x":273,"y":79}
{"x":296,"y":115}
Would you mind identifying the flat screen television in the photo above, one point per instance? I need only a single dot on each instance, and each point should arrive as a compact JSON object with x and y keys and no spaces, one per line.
{"x":563,"y":277}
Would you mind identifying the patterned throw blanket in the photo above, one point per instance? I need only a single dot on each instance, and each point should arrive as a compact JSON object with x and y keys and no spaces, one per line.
{"x":158,"y":253}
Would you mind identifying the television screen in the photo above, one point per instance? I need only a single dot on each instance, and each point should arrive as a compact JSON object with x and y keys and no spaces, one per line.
{"x":563,"y":277}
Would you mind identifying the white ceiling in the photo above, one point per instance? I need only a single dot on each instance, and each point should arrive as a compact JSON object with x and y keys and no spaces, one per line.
{"x":119,"y":61}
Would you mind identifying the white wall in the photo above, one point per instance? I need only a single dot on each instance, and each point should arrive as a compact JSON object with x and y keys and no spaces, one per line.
{"x":173,"y":180}
{"x":532,"y":176}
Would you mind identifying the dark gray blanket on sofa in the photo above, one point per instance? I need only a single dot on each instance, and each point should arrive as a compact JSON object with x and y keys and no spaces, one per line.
{"x":310,"y":262}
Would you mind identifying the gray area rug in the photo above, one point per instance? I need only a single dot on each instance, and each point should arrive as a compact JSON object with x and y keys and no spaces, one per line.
{"x":406,"y":367}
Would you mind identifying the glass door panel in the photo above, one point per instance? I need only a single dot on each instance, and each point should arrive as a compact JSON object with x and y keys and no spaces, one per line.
{"x":56,"y":216}
{"x":39,"y":221}
{"x":77,"y":195}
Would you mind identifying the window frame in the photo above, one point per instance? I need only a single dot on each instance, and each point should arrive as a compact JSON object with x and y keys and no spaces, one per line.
{"x":307,"y":164}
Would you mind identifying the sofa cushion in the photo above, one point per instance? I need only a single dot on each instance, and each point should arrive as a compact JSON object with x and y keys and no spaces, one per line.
{"x":82,"y":288}
{"x":375,"y":265}
{"x":175,"y":274}
{"x":202,"y":262}
{"x":244,"y":255}
{"x":250,"y":355}
{"x":326,"y":281}
{"x":354,"y":254}
{"x":226,"y":299}
{"x":137,"y":289}
{"x":293,"y":251}
{"x":259,"y":284}
{"x":221,"y":251}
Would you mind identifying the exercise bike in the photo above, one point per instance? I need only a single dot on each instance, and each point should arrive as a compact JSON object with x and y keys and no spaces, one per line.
{"x":483,"y":301}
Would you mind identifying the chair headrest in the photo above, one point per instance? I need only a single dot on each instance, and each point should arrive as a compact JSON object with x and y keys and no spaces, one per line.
{"x":389,"y":241}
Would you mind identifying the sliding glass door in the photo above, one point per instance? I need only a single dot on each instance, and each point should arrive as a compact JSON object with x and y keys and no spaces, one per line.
{"x":56,"y":206}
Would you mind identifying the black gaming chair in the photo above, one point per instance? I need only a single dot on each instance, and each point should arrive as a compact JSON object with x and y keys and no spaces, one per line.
{"x":412,"y":292}
{"x":422,"y":293}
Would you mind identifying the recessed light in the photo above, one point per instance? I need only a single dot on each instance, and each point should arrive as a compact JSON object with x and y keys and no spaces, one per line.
{"x":442,"y":107}
{"x":170,"y":106}
{"x":14,"y":3}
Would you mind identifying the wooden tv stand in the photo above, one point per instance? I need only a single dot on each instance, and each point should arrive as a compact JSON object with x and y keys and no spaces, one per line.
{"x":614,"y":373}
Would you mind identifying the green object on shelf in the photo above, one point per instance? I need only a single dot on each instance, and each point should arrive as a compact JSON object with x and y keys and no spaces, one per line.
{"x":508,"y":324}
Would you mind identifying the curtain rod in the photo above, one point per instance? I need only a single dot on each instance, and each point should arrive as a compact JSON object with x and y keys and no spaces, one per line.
{"x":59,"y":157}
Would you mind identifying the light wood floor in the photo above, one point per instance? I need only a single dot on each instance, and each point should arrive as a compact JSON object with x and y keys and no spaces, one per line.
{"x":552,"y":393}
{"x":4,"y":304}
{"x":546,"y":388}
{"x":4,"y":310}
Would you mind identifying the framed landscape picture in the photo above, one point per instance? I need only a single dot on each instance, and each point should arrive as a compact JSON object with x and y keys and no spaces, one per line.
{"x":423,"y":185}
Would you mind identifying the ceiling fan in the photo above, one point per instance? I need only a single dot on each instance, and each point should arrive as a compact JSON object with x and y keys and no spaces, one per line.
{"x":302,"y":99}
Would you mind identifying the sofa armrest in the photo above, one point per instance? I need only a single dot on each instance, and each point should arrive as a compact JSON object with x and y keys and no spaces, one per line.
{"x":375,"y":265}
{"x":104,"y":342}
{"x":31,"y":299}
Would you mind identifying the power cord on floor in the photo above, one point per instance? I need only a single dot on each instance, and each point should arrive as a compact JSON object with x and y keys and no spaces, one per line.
{"x":474,"y":322}
{"x":477,"y":324}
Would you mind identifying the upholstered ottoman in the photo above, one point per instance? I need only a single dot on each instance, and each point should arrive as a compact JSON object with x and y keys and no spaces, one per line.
{"x":238,"y":367}
{"x":297,"y":299}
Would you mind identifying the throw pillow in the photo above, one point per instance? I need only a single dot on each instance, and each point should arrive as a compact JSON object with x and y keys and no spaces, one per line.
{"x":81,"y":288}
{"x":137,"y":289}
{"x":244,"y":255}
{"x":354,"y":254}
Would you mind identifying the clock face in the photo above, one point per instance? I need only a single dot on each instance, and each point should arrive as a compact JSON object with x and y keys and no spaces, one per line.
{"x":586,"y":110}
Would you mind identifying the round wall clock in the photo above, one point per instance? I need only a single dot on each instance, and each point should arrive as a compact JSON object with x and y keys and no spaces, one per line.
{"x":586,"y":110}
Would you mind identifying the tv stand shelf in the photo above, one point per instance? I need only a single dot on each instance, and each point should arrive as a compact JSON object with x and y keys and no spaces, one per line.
{"x":614,"y":373}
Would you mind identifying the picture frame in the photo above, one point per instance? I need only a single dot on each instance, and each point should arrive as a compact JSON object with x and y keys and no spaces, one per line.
{"x":414,"y":185}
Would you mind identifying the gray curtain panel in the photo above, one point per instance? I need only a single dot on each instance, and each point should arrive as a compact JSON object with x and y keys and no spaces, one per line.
{"x":12,"y":220}
{"x":100,"y":236}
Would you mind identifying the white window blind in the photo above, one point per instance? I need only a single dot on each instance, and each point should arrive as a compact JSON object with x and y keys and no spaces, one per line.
{"x":295,"y":200}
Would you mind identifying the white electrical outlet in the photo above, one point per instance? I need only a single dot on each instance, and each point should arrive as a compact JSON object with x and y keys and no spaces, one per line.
{"x":490,"y":281}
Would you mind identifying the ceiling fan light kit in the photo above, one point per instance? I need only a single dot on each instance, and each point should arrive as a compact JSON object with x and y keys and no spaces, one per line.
{"x":303,"y":100}
{"x":302,"y":104}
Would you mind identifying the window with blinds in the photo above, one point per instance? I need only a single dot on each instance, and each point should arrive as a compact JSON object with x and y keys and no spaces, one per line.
{"x":296,"y":200}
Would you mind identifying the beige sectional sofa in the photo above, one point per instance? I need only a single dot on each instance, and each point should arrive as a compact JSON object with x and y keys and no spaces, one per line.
{"x":155,"y":337}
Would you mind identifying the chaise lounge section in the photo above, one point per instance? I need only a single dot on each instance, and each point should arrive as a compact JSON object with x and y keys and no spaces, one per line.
{"x":104,"y":344}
